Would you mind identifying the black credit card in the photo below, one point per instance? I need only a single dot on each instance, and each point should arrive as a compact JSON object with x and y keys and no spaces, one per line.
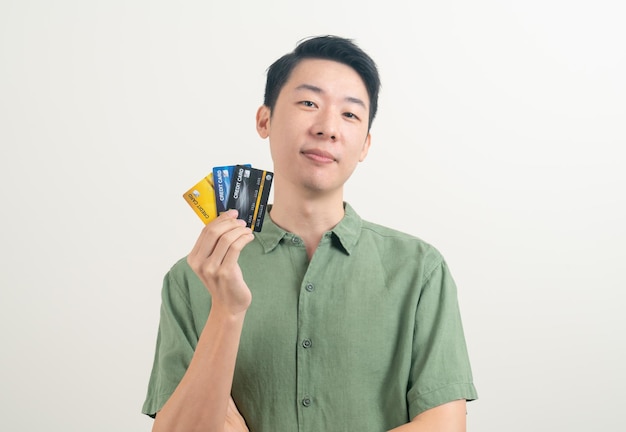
{"x":249,"y":192}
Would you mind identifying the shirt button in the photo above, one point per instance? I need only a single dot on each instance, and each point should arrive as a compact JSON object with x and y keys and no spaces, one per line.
{"x":295,"y":240}
{"x":306,"y":343}
{"x":309,"y":287}
{"x":306,"y":402}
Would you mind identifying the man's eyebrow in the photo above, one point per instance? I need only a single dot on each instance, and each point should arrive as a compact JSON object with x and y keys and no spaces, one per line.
{"x":318,"y":90}
{"x":310,"y":87}
{"x":356,"y":101}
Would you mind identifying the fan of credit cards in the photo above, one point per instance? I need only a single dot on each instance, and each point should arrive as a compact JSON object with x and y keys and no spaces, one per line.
{"x":239,"y":187}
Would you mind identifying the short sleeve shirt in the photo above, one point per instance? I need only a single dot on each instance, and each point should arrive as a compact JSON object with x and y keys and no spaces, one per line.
{"x":364,"y":336}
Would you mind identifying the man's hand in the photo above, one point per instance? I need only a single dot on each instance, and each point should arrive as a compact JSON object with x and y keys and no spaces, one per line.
{"x":214,"y":259}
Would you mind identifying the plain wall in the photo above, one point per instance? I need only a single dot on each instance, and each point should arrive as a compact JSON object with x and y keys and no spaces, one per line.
{"x":500,"y":140}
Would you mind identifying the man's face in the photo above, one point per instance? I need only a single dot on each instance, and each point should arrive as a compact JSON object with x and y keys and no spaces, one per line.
{"x":318,"y":130}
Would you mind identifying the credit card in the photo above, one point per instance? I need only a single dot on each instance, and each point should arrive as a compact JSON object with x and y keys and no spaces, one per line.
{"x":222,"y":176}
{"x":201,"y":198}
{"x":249,"y":192}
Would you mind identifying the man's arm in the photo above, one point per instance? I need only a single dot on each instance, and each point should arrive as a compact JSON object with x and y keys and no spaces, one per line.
{"x":449,"y":417}
{"x":201,"y":399}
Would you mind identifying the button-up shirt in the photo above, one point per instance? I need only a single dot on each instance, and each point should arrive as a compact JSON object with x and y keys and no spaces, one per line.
{"x":364,"y":336}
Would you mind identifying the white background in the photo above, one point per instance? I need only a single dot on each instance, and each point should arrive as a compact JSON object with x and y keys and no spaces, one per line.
{"x":500,"y":140}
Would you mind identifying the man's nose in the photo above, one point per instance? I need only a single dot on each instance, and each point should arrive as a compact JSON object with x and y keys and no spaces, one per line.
{"x":327,"y":126}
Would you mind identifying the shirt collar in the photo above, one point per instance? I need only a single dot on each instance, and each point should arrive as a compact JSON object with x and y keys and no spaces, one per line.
{"x":347,"y":231}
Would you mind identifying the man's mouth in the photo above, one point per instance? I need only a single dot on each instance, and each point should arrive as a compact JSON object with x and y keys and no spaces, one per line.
{"x":318,"y":155}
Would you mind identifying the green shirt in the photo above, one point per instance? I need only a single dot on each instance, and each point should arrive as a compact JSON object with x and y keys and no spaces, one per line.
{"x":363,"y":337}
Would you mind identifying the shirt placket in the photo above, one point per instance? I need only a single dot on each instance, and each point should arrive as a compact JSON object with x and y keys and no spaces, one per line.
{"x":307,"y":402}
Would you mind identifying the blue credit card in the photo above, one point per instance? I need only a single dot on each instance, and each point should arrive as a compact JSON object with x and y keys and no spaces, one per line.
{"x":222,"y":179}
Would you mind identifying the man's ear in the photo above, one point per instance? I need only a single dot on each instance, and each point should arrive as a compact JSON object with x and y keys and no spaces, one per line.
{"x":366,"y":147}
{"x":263,"y":115}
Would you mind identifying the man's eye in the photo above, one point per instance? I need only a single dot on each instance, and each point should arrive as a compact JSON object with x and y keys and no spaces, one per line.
{"x":308,"y":104}
{"x":351,"y":115}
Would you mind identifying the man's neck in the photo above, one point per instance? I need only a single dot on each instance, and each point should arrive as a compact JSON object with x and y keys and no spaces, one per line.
{"x":308,"y":217}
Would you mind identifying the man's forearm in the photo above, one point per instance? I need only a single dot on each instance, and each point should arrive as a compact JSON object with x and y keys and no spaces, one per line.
{"x":200,"y":401}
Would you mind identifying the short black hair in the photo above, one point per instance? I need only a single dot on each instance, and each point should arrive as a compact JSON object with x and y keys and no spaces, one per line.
{"x":328,"y":47}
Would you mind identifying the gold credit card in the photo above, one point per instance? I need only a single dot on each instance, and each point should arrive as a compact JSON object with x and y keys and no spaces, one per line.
{"x":201,"y":198}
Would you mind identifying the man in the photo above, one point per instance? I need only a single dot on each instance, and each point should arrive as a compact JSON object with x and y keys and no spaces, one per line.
{"x":322,"y":321}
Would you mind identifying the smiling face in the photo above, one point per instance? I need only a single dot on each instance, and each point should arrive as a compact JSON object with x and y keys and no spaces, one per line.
{"x":318,"y":130}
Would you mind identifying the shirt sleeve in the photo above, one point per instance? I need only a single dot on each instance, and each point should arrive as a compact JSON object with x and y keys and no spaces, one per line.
{"x":440,"y":371}
{"x":176,"y":341}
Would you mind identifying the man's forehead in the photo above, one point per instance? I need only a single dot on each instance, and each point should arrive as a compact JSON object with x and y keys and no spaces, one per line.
{"x":323,"y":75}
